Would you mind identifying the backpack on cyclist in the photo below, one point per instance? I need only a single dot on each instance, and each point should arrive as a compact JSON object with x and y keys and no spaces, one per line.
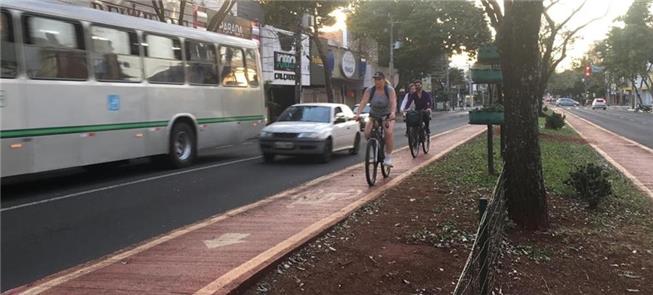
{"x":413,"y":118}
{"x":385,"y":88}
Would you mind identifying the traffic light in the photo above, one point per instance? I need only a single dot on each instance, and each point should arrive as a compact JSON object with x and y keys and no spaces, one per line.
{"x":588,"y":70}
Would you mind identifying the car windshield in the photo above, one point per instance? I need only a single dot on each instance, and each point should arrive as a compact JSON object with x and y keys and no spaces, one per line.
{"x":307,"y":114}
{"x":364,"y":111}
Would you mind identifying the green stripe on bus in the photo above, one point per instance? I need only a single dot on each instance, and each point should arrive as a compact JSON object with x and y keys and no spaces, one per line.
{"x":109,"y":127}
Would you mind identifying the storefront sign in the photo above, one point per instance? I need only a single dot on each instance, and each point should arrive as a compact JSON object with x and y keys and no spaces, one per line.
{"x":284,"y":62}
{"x":348,"y":64}
{"x":236,"y":26}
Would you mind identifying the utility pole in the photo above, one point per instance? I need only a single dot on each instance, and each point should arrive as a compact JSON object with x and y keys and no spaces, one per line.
{"x":298,"y":60}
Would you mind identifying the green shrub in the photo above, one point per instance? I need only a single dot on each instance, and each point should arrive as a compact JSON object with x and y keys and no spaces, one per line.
{"x":555,"y":121}
{"x":590,"y":183}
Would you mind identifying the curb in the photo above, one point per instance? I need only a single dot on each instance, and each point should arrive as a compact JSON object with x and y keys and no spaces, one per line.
{"x":611,"y":160}
{"x":229,"y":281}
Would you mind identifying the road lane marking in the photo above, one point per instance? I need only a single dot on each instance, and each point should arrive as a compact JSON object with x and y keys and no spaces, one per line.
{"x":63,"y":277}
{"x":77,"y":194}
{"x":226,"y":240}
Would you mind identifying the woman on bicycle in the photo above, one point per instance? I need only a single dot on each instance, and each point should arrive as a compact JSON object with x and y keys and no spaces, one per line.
{"x":383,"y":102}
{"x":423,"y":102}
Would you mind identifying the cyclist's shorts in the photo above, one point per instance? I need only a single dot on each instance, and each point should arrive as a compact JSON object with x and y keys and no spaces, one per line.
{"x":378,"y":116}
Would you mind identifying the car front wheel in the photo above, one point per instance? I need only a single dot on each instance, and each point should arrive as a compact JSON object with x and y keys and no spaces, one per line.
{"x":325,"y":157}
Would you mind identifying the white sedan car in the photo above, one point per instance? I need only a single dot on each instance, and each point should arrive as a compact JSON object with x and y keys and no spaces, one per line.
{"x":311,"y":129}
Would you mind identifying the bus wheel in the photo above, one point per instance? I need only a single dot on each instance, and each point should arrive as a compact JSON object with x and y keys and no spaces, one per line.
{"x":182,"y":149}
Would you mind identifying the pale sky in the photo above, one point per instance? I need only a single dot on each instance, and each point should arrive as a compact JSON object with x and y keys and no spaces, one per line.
{"x":606,"y":10}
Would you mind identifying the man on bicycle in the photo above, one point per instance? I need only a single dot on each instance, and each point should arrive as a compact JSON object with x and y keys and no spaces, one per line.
{"x":423,"y":101}
{"x":383,"y":102}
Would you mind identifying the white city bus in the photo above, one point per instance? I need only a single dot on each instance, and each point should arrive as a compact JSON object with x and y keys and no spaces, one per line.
{"x":82,"y":86}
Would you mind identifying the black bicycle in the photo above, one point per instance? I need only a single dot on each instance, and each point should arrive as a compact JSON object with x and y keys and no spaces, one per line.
{"x":375,"y":152}
{"x":417,"y":132}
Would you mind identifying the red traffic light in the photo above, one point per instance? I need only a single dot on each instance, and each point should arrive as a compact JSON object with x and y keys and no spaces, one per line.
{"x":588,"y":71}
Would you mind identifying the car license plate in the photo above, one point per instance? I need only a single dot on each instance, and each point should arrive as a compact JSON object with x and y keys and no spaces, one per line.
{"x":283,"y":145}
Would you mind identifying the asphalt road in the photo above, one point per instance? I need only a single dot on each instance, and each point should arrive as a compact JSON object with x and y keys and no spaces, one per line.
{"x":635,"y":126}
{"x":60,"y":219}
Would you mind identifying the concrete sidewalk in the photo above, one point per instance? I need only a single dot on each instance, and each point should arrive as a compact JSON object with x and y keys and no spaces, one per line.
{"x":634,"y":160}
{"x":217,"y":255}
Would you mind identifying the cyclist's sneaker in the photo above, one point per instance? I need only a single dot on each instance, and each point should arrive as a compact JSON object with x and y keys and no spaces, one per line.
{"x":387,"y":161}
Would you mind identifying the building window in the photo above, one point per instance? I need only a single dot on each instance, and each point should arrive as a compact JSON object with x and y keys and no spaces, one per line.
{"x":201,"y":63}
{"x":54,"y":49}
{"x":252,"y":67}
{"x":232,"y":67}
{"x":163,"y":62}
{"x":8,"y":49}
{"x":115,"y":55}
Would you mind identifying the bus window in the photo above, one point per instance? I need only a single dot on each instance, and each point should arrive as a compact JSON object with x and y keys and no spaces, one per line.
{"x":8,"y":48}
{"x":54,"y":49}
{"x":163,"y":63}
{"x":252,"y":67}
{"x":200,"y":60}
{"x":115,"y":55}
{"x":232,"y":67}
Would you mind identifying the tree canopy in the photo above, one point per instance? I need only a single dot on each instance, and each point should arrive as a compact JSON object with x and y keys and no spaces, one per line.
{"x":425,"y":29}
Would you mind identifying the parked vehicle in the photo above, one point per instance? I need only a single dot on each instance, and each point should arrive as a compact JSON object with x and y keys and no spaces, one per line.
{"x":566,"y":102}
{"x":599,"y":103}
{"x":311,"y":129}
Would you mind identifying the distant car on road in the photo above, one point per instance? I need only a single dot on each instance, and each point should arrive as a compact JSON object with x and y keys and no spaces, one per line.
{"x":365,"y":115}
{"x":599,"y":103}
{"x":566,"y":102}
{"x":311,"y":129}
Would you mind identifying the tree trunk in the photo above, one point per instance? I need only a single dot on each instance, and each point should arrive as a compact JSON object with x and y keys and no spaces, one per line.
{"x":639,"y":97}
{"x":182,"y":8}
{"x":327,"y":74}
{"x":215,"y":21}
{"x":520,"y":63}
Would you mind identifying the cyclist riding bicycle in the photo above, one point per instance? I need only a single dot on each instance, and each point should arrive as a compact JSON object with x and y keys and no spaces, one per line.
{"x":423,"y":102}
{"x":383,"y":102}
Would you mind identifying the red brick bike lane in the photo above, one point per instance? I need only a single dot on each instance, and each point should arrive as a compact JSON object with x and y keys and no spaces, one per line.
{"x":634,"y":160}
{"x":216,"y":255}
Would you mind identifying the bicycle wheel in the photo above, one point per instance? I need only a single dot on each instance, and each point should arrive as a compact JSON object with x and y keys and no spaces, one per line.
{"x":426,"y":143}
{"x":413,"y":141}
{"x":371,"y":162}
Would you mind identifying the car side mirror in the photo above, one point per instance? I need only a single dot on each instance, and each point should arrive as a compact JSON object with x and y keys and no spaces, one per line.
{"x":340,"y":118}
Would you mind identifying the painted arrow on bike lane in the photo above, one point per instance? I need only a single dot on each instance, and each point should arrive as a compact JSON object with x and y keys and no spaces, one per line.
{"x":246,"y":239}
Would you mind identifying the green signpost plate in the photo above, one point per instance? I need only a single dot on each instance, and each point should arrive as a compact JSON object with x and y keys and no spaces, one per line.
{"x":486,"y":118}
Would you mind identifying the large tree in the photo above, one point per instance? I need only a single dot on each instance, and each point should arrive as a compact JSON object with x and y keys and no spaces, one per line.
{"x":627,"y":53}
{"x":288,"y":14}
{"x":518,"y":40}
{"x":212,"y":24}
{"x":426,"y":30}
{"x":555,"y":37}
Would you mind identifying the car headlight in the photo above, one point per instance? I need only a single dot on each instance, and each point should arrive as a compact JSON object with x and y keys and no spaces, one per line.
{"x":309,"y":135}
{"x":265,"y":134}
